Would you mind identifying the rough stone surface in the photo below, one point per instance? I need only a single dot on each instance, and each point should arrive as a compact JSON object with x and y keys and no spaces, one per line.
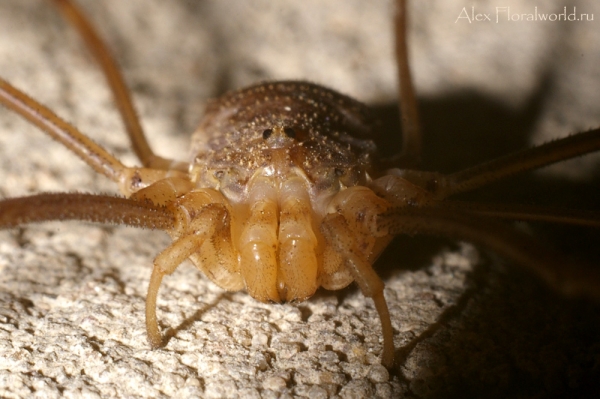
{"x":466,"y":323}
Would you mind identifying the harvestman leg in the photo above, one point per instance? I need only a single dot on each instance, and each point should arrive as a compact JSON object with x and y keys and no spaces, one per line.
{"x":410,"y":155}
{"x":117,"y":85}
{"x":530,"y":213}
{"x":146,"y":208}
{"x":97,"y":208}
{"x":460,"y":219}
{"x":557,"y":270}
{"x":64,"y":206}
{"x":340,"y":236}
{"x":464,"y":220}
{"x":457,"y":219}
{"x":128,"y":179}
{"x":15,"y":212}
{"x":483,"y":174}
{"x":65,"y":133}
{"x":443,"y":186}
{"x":518,"y":162}
{"x":211,"y":218}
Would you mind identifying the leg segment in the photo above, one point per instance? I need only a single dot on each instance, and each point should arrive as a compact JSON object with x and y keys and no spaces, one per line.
{"x":340,"y":237}
{"x":556,"y":270}
{"x":130,"y":179}
{"x":117,"y":85}
{"x":66,"y":134}
{"x":409,"y":110}
{"x":211,"y":219}
{"x":578,"y":217}
{"x":518,"y":162}
{"x":351,"y":236}
{"x":87,"y":207}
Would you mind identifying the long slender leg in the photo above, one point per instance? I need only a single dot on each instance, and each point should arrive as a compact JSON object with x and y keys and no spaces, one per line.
{"x":166,"y":263}
{"x":521,"y":161}
{"x":130,"y":179}
{"x":551,"y":214}
{"x":68,"y":135}
{"x":117,"y":84}
{"x":210,"y":219}
{"x":409,"y":111}
{"x":338,"y":234}
{"x":87,"y":207}
{"x":558,"y":271}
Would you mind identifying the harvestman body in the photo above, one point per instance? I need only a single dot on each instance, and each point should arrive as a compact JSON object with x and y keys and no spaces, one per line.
{"x":285,"y":192}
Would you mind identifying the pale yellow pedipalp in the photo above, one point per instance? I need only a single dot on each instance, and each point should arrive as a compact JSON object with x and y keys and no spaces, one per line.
{"x":216,"y":258}
{"x":169,"y":259}
{"x":298,"y":265}
{"x":258,"y":242}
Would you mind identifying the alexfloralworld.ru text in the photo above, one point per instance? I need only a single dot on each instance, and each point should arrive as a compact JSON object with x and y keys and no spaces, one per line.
{"x":504,"y":14}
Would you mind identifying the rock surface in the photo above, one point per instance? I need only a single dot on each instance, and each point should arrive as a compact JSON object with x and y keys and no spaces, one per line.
{"x":466,"y":323}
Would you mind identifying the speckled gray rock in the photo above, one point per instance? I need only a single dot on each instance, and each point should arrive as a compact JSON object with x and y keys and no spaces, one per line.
{"x":72,"y":295}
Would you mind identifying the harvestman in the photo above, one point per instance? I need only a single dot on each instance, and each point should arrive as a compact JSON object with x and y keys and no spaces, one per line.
{"x":285,"y":193}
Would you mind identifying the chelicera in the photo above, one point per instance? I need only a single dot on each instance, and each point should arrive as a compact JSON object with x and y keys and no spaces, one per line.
{"x":285,"y":192}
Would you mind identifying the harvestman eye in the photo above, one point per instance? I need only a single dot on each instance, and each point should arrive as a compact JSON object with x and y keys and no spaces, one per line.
{"x":266,"y":226}
{"x":291,"y":133}
{"x":267,"y":133}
